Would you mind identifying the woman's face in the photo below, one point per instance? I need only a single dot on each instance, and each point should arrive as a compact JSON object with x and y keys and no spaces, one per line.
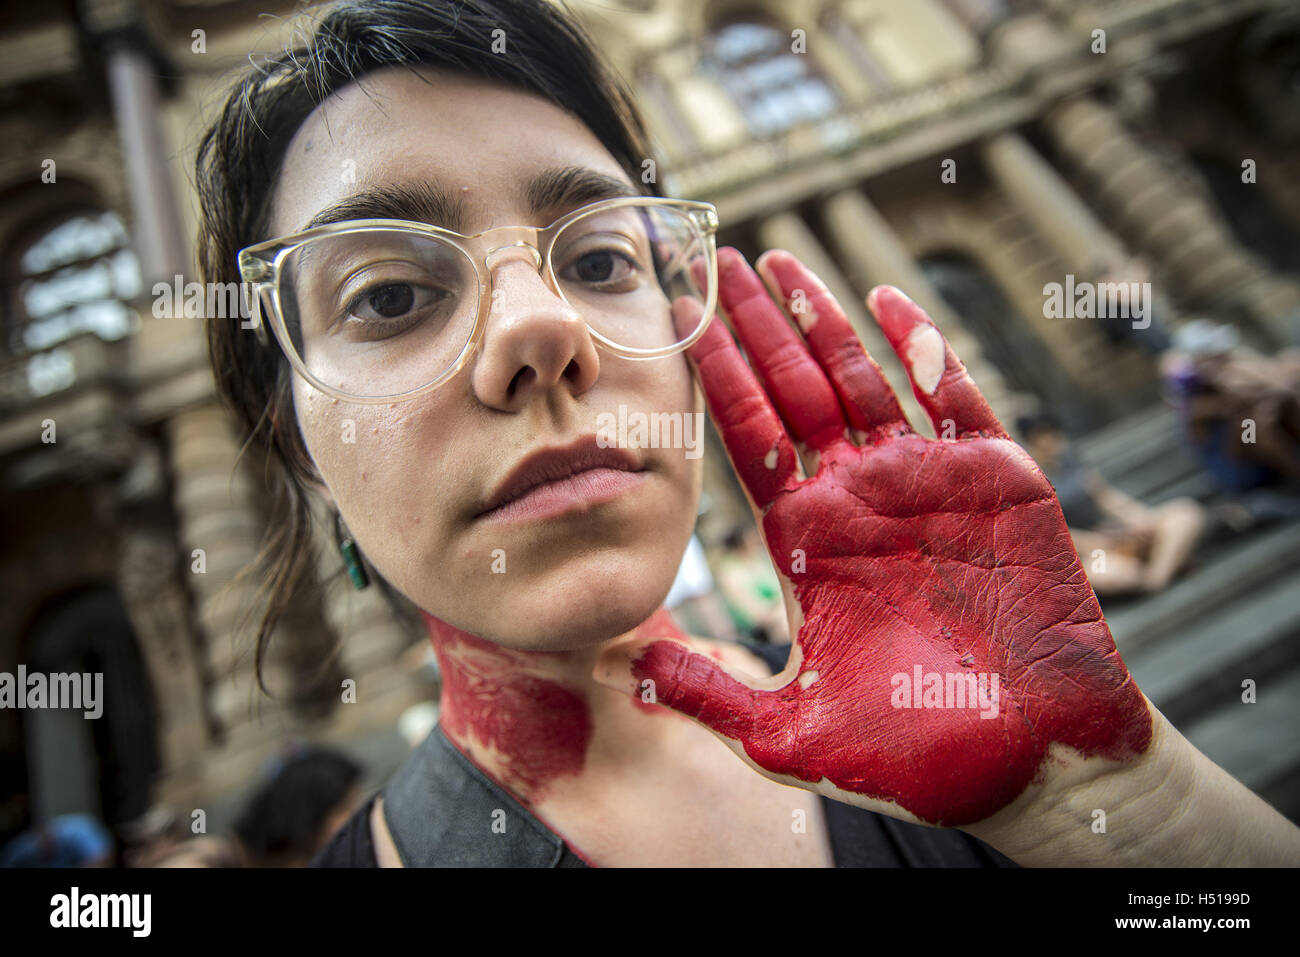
{"x":411,"y":479}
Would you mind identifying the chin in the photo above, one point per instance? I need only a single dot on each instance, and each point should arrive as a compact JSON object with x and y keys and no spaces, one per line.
{"x":583,"y":615}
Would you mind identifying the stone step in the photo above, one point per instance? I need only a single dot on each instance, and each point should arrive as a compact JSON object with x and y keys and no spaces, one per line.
{"x":1241,"y":566}
{"x":1258,"y":744}
{"x":1198,"y":485}
{"x":1203,"y":667}
{"x":1145,"y":440}
{"x":1145,"y":479}
{"x":1118,"y":438}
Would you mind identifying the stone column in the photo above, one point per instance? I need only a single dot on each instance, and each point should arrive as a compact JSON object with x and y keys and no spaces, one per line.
{"x":158,"y":604}
{"x":1084,"y":246}
{"x":156,"y":225}
{"x":219,"y":538}
{"x":1179,"y":226}
{"x":873,"y":254}
{"x":1045,"y":199}
{"x":156,"y":598}
{"x":161,"y":346}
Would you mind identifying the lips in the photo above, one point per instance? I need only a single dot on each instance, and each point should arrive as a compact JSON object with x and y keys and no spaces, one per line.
{"x":555,"y":465}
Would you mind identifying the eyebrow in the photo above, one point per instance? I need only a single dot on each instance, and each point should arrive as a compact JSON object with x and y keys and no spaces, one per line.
{"x":552,"y":191}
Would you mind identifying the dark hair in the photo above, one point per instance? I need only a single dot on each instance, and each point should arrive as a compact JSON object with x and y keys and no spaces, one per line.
{"x":282,"y":822}
{"x":240,"y":156}
{"x":1032,"y":423}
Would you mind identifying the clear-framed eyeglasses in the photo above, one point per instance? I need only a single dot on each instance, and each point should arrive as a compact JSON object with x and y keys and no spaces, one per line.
{"x":376,"y":310}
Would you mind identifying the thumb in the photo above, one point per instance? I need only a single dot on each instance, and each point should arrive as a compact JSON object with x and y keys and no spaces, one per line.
{"x":666,"y":671}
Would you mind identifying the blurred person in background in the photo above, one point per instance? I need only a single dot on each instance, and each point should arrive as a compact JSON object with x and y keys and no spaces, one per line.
{"x":1239,"y":410}
{"x":206,"y":851}
{"x":310,"y":793}
{"x":1126,"y":546}
{"x":69,"y":840}
{"x":160,"y":838}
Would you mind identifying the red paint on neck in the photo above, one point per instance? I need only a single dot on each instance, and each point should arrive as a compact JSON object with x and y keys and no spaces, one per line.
{"x":522,"y":728}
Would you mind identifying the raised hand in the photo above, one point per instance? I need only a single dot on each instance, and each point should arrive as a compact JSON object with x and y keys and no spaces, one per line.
{"x":946,"y":633}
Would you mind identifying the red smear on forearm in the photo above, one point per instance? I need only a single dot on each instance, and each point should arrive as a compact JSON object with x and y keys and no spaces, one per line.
{"x":528,"y":730}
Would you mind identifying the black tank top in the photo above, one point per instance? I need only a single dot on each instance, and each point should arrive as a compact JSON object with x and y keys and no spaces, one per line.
{"x":443,"y":811}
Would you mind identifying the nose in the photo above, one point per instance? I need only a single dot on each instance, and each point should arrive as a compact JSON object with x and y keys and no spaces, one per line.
{"x":534,"y":341}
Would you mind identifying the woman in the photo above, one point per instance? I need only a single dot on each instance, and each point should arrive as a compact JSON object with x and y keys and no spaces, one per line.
{"x":578,"y":724}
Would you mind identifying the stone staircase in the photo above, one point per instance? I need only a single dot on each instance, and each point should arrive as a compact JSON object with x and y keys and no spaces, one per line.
{"x":1235,"y":615}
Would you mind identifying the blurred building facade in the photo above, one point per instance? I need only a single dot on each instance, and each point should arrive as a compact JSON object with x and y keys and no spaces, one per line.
{"x":969,"y":151}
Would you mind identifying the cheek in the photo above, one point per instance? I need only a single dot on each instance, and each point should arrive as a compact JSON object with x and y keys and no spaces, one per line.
{"x":670,"y":386}
{"x":375,"y":466}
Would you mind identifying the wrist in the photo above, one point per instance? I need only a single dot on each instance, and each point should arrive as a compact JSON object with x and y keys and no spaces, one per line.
{"x":1169,"y":806}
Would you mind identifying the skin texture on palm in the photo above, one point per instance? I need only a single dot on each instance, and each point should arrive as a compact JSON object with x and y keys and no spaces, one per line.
{"x":949,"y":555}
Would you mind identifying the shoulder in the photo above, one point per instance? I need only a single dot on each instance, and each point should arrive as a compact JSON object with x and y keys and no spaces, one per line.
{"x":352,"y":844}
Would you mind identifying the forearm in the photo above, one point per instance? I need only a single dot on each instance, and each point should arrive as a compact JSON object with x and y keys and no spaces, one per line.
{"x":1172,"y":807}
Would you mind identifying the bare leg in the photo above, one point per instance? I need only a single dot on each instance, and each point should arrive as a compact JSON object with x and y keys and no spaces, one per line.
{"x":1178,"y":527}
{"x":1110,"y":570}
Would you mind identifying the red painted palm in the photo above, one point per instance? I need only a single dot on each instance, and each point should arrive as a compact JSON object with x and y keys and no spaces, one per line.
{"x":946,"y":632}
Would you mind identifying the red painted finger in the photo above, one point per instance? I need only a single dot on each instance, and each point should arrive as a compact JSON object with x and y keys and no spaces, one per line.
{"x":939,"y":380}
{"x":756,"y":441}
{"x":696,"y":686}
{"x":798,"y":387}
{"x":868,"y":400}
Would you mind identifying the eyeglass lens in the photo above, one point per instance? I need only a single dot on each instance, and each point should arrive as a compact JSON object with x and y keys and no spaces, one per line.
{"x":383,"y":311}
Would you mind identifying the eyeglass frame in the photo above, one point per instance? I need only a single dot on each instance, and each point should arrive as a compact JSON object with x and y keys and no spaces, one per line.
{"x":261,"y":266}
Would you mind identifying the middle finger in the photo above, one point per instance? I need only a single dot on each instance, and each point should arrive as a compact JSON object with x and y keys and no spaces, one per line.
{"x":799,"y":389}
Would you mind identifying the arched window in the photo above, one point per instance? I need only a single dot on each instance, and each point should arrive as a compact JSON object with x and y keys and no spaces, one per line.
{"x":775,"y":87}
{"x":73,"y":277}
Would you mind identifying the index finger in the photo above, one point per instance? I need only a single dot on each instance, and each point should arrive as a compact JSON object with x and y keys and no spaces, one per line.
{"x":757,"y":444}
{"x":796,"y":383}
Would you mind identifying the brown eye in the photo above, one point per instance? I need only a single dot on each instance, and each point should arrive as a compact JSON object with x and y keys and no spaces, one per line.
{"x":601,"y":267}
{"x":392,"y":301}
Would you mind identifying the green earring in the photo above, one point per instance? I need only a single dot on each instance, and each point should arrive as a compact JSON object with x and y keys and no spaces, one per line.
{"x":351,"y":557}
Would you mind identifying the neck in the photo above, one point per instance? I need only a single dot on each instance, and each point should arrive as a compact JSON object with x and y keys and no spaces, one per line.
{"x":529,"y":719}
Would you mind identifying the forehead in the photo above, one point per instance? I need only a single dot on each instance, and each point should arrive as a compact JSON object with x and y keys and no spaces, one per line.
{"x":478,"y":141}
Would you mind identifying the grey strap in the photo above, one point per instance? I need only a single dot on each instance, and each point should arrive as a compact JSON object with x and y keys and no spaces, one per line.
{"x":444,"y":812}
